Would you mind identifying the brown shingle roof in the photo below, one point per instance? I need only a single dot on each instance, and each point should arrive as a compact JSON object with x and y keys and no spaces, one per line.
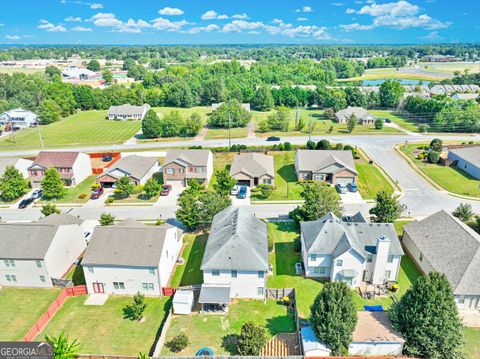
{"x":375,"y":327}
{"x":49,"y":159}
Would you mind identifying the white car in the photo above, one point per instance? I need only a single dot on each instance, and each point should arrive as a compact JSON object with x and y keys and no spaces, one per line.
{"x":235,"y":190}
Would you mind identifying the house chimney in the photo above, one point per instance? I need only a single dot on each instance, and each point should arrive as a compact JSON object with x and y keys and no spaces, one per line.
{"x":380,"y":263}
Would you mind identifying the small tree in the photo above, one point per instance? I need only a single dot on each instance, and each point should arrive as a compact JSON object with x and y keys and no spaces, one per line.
{"x":333,"y":317}
{"x":352,"y":123}
{"x":388,"y":208}
{"x":12,"y":184}
{"x":106,"y":219}
{"x":151,"y":188}
{"x":311,"y":145}
{"x":463,"y":212}
{"x":323,"y":145}
{"x":93,"y":65}
{"x":328,"y":113}
{"x":123,"y":187}
{"x":428,"y":319}
{"x":378,"y":124}
{"x":178,"y":343}
{"x":63,"y":348}
{"x":433,"y":157}
{"x":49,"y":209}
{"x":224,"y":183}
{"x":52,"y":185}
{"x":251,"y":340}
{"x":107,"y":76}
{"x":135,"y":310}
{"x":319,"y":200}
{"x":436,"y":145}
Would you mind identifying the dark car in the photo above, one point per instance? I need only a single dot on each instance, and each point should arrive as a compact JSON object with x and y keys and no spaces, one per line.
{"x":107,"y":158}
{"x":242,"y":192}
{"x":341,"y":188}
{"x":26,"y":202}
{"x":387,"y":120}
{"x":38,"y":193}
{"x":165,"y":190}
{"x":352,"y":187}
{"x":96,"y":193}
{"x":273,"y":138}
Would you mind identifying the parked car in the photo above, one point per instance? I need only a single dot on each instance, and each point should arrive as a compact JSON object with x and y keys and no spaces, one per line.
{"x":38,"y":193}
{"x":341,"y":188}
{"x":26,"y":202}
{"x":352,"y":187}
{"x":235,"y":190}
{"x":273,"y":138}
{"x":165,"y":190}
{"x":96,"y":193}
{"x":107,"y":158}
{"x":242,"y":192}
{"x":387,"y":120}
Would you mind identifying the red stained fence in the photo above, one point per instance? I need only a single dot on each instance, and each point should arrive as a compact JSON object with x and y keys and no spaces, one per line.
{"x":52,"y":309}
{"x":168,"y":292}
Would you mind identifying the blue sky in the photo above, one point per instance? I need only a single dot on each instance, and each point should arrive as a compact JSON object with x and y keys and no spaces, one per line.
{"x":241,"y":21}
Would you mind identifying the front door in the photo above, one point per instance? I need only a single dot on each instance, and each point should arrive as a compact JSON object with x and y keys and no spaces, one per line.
{"x":98,"y":288}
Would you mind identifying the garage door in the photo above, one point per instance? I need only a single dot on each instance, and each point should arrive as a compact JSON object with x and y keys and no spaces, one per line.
{"x":175,"y":183}
{"x":243,"y":183}
{"x":343,"y":180}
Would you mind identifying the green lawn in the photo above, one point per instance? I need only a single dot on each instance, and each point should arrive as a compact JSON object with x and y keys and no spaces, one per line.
{"x":222,"y":133}
{"x":186,"y":112}
{"x":399,"y":226}
{"x":219,"y":331}
{"x":450,"y":178}
{"x":72,"y":194}
{"x":286,"y":185}
{"x":370,"y":180}
{"x":402,"y":121}
{"x":103,"y":329}
{"x":472,"y":342}
{"x":393,"y":74}
{"x":21,"y":308}
{"x":189,"y":273}
{"x":81,"y":129}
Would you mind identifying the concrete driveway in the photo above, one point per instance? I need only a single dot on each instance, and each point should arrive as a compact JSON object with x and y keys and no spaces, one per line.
{"x":100,"y":201}
{"x":352,"y":198}
{"x":470,"y":318}
{"x":171,"y":199}
{"x":241,"y":202}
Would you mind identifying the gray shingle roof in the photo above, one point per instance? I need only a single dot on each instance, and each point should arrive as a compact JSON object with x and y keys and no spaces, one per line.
{"x":451,"y":247}
{"x":126,"y":244}
{"x":135,"y":166}
{"x":253,"y":165}
{"x":191,"y":157}
{"x":359,"y":112}
{"x":331,"y":235}
{"x":127,"y":110}
{"x":211,"y":294}
{"x":470,"y":154}
{"x":237,"y":241}
{"x":316,"y":160}
{"x":61,"y":219}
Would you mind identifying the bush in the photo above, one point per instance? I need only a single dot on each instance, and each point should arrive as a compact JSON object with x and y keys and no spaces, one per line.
{"x":433,"y":157}
{"x":378,"y":124}
{"x":178,"y":343}
{"x":83,"y":195}
{"x":423,"y":128}
{"x":287,"y":146}
{"x":297,"y":245}
{"x":109,"y":200}
{"x":421,"y":156}
{"x":270,"y":243}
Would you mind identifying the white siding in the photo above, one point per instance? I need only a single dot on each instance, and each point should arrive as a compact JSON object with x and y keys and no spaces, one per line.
{"x":350,"y":260}
{"x":155,"y":168}
{"x":27,"y":274}
{"x":209,"y":167}
{"x":82,"y":168}
{"x":374,"y":348}
{"x":245,"y":285}
{"x":171,"y":251}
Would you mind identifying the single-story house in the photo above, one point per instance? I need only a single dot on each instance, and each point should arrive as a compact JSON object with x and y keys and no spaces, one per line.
{"x":363,"y":116}
{"x":138,"y":168}
{"x":373,"y":336}
{"x":18,"y":118}
{"x":467,"y":159}
{"x":443,"y":243}
{"x":131,"y":257}
{"x":32,"y":254}
{"x":21,"y":164}
{"x":465,"y":96}
{"x":349,"y":251}
{"x":78,"y":73}
{"x":332,"y":166}
{"x":74,"y":167}
{"x":127,"y":111}
{"x":181,"y":165}
{"x":235,"y":261}
{"x":245,"y":106}
{"x":252,"y":169}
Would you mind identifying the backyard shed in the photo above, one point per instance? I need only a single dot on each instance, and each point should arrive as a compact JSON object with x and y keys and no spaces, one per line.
{"x":183,"y":302}
{"x":311,"y":346}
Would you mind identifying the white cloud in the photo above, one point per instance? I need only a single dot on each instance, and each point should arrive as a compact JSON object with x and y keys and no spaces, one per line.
{"x":239,"y":25}
{"x":302,"y":19}
{"x":222,"y":17}
{"x":356,"y":26}
{"x":106,"y":20}
{"x":241,"y":16}
{"x":73,"y":19}
{"x":400,"y":8}
{"x":81,"y":29}
{"x":165,"y":24}
{"x":277,"y":21}
{"x":12,"y":37}
{"x":170,"y":11}
{"x":349,"y":11}
{"x":305,"y":9}
{"x":423,"y":21}
{"x":208,"y":28}
{"x":213,"y":15}
{"x":338,"y":3}
{"x":209,"y":15}
{"x":48,"y":26}
{"x":432,"y":36}
{"x":96,"y":6}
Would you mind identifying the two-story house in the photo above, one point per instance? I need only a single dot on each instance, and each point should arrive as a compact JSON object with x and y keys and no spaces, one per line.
{"x":181,"y":165}
{"x":18,"y":118}
{"x":74,"y":167}
{"x":235,"y":261}
{"x":351,"y":250}
{"x":131,"y":257}
{"x":32,"y":254}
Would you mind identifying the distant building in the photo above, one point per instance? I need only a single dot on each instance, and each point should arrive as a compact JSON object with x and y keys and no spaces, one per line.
{"x":452,"y":89}
{"x":127,"y":111}
{"x":465,"y":96}
{"x":467,"y":159}
{"x":439,"y":58}
{"x":78,"y":73}
{"x":18,"y":118}
{"x":363,"y":116}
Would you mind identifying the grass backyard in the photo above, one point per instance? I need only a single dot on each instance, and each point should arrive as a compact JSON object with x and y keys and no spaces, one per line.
{"x":189,"y":273}
{"x":21,"y":308}
{"x":286,"y":185}
{"x":81,"y":129}
{"x":472,"y":342}
{"x":370,"y":180}
{"x":450,"y":178}
{"x":402,"y":121}
{"x":72,"y":194}
{"x":103,"y":329}
{"x":218,"y":332}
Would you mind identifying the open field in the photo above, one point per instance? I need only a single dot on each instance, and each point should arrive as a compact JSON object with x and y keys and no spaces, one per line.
{"x":401,"y":121}
{"x":394,"y":74}
{"x":219,"y":133}
{"x":21,"y":308}
{"x":103,"y":329}
{"x":450,"y":178}
{"x":370,"y":180}
{"x":450,"y":67}
{"x":23,"y":70}
{"x":472,"y":342}
{"x":81,"y":129}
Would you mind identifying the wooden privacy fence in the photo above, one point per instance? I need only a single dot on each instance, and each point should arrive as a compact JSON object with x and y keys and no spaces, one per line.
{"x":96,"y":170}
{"x":52,"y":309}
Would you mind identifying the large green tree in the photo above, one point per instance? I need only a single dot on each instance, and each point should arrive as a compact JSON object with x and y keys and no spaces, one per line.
{"x":151,"y":188}
{"x":388,"y":208}
{"x":224,"y":183}
{"x":107,"y":76}
{"x":48,"y":112}
{"x":427,"y":317}
{"x":391,"y":93}
{"x":351,"y":122}
{"x":124,"y":187}
{"x":93,"y":65}
{"x":12,"y":184}
{"x":319,"y":200}
{"x":251,"y":340}
{"x":151,"y":125}
{"x":263,"y":99}
{"x":52,"y":185}
{"x":333,"y":317}
{"x":231,"y":114}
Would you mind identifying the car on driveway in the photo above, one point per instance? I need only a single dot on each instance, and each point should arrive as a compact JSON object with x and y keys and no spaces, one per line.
{"x":352,"y":187}
{"x":387,"y":120}
{"x":96,"y":193}
{"x":341,"y":188}
{"x":38,"y":193}
{"x":242,"y":192}
{"x":165,"y":190}
{"x":273,"y":138}
{"x":235,"y":190}
{"x":26,"y":202}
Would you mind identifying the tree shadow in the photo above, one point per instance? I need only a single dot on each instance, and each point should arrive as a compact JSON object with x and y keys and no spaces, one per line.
{"x":287,"y":172}
{"x":230,"y":343}
{"x":285,"y":258}
{"x":282,"y":323}
{"x":166,"y":310}
{"x":192,"y":273}
{"x":78,"y":277}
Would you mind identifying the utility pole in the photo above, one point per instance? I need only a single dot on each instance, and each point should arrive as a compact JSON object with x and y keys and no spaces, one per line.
{"x":296,"y":118}
{"x":40,"y":136}
{"x":13,"y":132}
{"x":310,"y":129}
{"x":229,"y":132}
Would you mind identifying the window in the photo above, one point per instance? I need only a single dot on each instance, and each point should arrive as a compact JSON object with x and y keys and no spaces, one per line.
{"x":369,"y":257}
{"x":318,"y":177}
{"x":39,"y":264}
{"x":267,"y":181}
{"x":234,"y":274}
{"x":11,"y":278}
{"x":319,"y":270}
{"x":260,"y":290}
{"x":390,"y":259}
{"x":387,"y":274}
{"x":215,"y":272}
{"x":323,"y":270}
{"x":9,"y":263}
{"x":152,"y":271}
{"x":118,"y":285}
{"x":200,"y":169}
{"x":339,"y":262}
{"x":461,"y":300}
{"x":261,"y":274}
{"x":313,"y":257}
{"x":170,"y":171}
{"x":90,"y":269}
{"x":42,"y":279}
{"x":147,"y":286}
